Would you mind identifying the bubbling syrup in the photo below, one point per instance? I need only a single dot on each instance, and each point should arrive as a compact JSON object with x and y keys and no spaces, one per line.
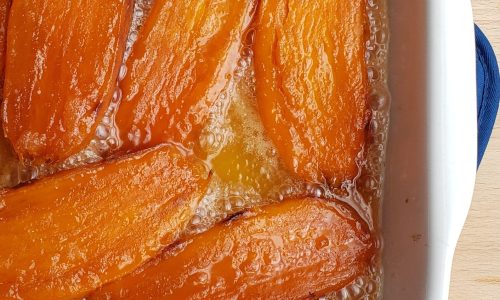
{"x":246,"y":167}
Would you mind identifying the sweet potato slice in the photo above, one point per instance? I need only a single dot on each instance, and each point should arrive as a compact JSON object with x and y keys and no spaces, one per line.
{"x":285,"y":251}
{"x":4,"y":18}
{"x":182,"y":61}
{"x":68,"y":234}
{"x":11,"y":173}
{"x":63,"y":59}
{"x":312,"y":84}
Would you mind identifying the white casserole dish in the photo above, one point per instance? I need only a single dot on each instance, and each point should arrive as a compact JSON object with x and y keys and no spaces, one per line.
{"x":432,"y":147}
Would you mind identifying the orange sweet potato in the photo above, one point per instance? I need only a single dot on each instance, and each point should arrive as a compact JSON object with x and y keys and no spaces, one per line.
{"x":288,"y":250}
{"x":4,"y":18}
{"x":11,"y":173}
{"x":8,"y":167}
{"x":182,"y":61}
{"x":312,"y":84}
{"x":65,"y":235}
{"x":63,"y":59}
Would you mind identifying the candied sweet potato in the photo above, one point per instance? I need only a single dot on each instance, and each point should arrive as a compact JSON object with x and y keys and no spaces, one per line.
{"x":63,"y":59}
{"x":65,"y":235}
{"x":182,"y":61}
{"x":288,"y":250}
{"x":312,"y":84}
{"x":9,"y":169}
{"x":11,"y":173}
{"x":4,"y":17}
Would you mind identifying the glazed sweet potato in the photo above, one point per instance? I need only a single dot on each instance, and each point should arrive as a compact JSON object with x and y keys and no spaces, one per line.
{"x":10,"y":170}
{"x":182,"y":61}
{"x":65,"y":235}
{"x":312,"y":84}
{"x":4,"y":18}
{"x":289,"y":250}
{"x":63,"y":59}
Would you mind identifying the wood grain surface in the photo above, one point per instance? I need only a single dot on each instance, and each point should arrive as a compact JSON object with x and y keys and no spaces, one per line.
{"x":476,"y":267}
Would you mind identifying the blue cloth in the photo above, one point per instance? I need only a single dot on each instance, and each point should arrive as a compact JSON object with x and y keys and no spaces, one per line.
{"x":488,"y":91}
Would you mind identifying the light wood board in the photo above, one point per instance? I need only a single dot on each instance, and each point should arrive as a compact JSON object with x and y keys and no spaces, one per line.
{"x":476,"y":267}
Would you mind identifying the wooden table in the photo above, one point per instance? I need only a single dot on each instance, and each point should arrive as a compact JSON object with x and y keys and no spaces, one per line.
{"x":476,"y":268}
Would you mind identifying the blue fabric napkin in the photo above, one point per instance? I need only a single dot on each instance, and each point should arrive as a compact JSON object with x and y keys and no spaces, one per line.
{"x":488,"y":91}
